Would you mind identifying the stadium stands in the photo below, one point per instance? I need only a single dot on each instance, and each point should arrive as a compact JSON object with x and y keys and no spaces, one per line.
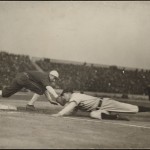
{"x":11,"y":64}
{"x":82,"y":77}
{"x":110,"y":79}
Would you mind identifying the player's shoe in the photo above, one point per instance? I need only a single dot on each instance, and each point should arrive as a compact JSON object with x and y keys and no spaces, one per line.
{"x":30,"y":107}
{"x":122,"y":118}
{"x":7,"y":107}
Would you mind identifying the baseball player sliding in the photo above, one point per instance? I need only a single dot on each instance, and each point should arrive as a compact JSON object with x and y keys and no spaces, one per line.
{"x":99,"y":108}
{"x":38,"y":82}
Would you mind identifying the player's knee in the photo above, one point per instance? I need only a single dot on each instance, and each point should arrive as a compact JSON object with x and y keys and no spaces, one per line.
{"x":95,"y":114}
{"x":4,"y":94}
{"x":39,"y":91}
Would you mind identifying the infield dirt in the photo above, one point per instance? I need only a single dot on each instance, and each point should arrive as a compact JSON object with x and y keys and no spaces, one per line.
{"x":38,"y":129}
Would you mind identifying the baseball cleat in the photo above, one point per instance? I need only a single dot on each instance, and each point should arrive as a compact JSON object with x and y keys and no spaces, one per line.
{"x":122,"y":118}
{"x":7,"y":107}
{"x":30,"y":107}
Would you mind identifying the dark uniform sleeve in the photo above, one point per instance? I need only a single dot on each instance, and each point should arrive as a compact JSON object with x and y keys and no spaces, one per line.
{"x":45,"y":82}
{"x":40,"y":78}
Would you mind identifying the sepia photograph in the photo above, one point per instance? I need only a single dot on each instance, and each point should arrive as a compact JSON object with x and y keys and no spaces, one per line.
{"x":74,"y":74}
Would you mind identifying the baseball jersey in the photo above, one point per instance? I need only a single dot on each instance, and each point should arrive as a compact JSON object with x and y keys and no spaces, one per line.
{"x":84,"y":102}
{"x":40,"y":78}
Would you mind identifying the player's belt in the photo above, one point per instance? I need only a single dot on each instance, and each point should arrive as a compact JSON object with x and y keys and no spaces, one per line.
{"x":99,"y":105}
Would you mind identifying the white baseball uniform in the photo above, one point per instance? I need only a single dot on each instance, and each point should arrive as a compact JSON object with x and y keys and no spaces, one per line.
{"x":90,"y":104}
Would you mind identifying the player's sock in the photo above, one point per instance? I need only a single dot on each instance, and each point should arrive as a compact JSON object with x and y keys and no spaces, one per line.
{"x":106,"y":116}
{"x":144,"y":109}
{"x":34,"y":98}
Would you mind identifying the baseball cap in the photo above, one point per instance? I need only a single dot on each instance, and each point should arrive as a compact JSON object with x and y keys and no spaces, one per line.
{"x":67,"y":90}
{"x":54,"y":73}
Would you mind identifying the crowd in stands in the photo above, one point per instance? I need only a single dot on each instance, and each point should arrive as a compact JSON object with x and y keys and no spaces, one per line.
{"x":110,"y":79}
{"x":11,"y":64}
{"x":82,"y":77}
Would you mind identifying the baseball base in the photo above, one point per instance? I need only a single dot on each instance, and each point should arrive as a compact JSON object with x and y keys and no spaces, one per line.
{"x":7,"y":107}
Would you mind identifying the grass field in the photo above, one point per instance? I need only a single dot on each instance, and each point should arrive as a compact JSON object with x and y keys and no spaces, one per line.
{"x":38,"y":129}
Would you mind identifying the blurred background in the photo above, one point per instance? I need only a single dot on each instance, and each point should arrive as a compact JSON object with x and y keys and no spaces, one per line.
{"x":96,"y":46}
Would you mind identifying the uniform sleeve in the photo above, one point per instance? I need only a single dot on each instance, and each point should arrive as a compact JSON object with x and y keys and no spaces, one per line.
{"x":75,"y":99}
{"x":45,"y":82}
{"x":52,"y":91}
{"x":68,"y":109}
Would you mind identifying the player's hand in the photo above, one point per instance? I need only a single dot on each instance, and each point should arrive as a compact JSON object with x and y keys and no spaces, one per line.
{"x":53,"y":102}
{"x":56,"y":115}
